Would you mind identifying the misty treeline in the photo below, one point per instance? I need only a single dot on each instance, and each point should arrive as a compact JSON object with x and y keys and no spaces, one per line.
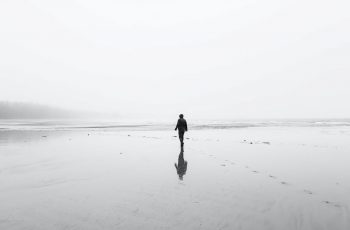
{"x":21,"y":110}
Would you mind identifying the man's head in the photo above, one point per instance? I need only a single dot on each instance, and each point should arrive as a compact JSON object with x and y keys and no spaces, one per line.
{"x":181,"y":116}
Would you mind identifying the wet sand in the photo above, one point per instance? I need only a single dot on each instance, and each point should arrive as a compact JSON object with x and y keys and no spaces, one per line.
{"x":245,"y":178}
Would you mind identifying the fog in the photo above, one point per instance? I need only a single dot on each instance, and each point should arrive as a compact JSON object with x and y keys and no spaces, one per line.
{"x":206,"y":59}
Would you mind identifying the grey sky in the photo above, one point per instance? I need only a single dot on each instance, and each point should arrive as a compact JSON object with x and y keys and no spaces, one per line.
{"x":207,"y":59}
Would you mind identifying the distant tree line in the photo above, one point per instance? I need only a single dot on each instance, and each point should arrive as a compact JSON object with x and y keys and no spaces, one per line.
{"x":21,"y":110}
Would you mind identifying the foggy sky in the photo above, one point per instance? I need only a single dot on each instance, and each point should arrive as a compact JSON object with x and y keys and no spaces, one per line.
{"x":206,"y":59}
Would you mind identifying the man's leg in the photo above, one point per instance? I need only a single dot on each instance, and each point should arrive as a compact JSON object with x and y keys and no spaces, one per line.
{"x":181,"y":137}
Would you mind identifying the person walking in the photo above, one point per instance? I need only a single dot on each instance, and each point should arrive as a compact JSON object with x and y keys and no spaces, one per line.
{"x":181,"y":126}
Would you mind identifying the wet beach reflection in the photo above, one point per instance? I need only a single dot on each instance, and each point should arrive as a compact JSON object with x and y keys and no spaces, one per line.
{"x":181,"y":166}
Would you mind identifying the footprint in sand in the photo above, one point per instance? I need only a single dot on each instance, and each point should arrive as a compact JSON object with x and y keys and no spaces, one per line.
{"x":284,"y":183}
{"x":332,"y":203}
{"x":223,"y":165}
{"x":308,"y":192}
{"x":273,"y":177}
{"x":255,"y":171}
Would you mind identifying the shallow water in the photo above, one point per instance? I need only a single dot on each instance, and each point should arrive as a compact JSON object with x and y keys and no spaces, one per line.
{"x":35,"y":124}
{"x":125,"y":178}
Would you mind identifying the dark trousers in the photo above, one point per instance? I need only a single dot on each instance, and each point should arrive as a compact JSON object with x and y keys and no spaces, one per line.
{"x":181,"y":136}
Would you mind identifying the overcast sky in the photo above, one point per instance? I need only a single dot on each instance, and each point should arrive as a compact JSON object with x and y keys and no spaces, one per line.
{"x":207,"y":59}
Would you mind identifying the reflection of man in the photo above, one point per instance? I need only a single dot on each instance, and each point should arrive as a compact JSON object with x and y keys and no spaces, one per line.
{"x":182,"y":127}
{"x":181,"y":166}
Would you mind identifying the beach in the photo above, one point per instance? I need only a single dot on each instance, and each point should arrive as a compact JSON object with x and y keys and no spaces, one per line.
{"x":125,"y":177}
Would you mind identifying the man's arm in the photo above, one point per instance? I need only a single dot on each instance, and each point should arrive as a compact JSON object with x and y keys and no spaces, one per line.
{"x":177,"y":125}
{"x":186,"y":125}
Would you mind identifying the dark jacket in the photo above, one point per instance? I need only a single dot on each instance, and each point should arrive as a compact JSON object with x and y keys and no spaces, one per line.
{"x":181,"y":125}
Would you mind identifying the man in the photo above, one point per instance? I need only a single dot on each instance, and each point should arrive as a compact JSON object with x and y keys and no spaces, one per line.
{"x":182,"y":127}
